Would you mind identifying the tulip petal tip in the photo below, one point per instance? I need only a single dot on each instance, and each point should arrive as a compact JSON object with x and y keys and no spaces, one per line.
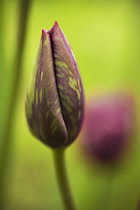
{"x":55,"y":27}
{"x":44,"y":33}
{"x":55,"y":23}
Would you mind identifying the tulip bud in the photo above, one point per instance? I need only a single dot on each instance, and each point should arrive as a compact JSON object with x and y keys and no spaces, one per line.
{"x":54,"y":103}
{"x":109,"y":123}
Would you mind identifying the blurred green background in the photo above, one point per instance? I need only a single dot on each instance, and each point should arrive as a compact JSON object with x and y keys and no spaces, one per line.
{"x":105,"y":38}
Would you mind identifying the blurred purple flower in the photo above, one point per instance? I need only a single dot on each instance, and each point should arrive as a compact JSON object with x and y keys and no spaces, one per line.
{"x":109,"y":123}
{"x":54,"y":102}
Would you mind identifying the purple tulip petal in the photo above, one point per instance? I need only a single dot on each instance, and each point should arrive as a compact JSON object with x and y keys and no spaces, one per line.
{"x":69,"y":84}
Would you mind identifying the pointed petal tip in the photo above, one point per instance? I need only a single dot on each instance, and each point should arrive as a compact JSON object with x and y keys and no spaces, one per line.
{"x":55,"y":26}
{"x":44,"y":31}
{"x":55,"y":23}
{"x":44,"y":35}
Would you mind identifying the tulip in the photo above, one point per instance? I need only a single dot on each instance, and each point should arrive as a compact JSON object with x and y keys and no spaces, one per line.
{"x":54,"y":102}
{"x":109,"y":124}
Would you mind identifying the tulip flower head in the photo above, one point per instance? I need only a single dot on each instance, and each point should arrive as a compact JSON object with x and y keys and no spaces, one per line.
{"x":109,"y":123}
{"x":54,"y":102}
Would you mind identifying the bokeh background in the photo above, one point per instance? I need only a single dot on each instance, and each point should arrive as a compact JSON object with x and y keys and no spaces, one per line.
{"x":105,"y":38}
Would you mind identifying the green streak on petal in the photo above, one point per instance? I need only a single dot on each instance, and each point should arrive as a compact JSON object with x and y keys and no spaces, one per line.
{"x":60,"y":75}
{"x":67,"y":107}
{"x":58,"y":110}
{"x":70,"y":72}
{"x":56,"y":101}
{"x":78,"y":93}
{"x":73,"y":85}
{"x":53,"y":123}
{"x":67,"y":99}
{"x":78,"y":84}
{"x":60,"y":87}
{"x":61,"y":64}
{"x":41,"y":75}
{"x":56,"y":55}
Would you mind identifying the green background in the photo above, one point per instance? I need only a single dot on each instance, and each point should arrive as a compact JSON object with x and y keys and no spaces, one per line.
{"x":105,"y":38}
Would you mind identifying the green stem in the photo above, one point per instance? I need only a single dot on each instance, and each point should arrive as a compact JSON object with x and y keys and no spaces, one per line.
{"x":62,"y":179}
{"x":5,"y":157}
{"x":105,"y":198}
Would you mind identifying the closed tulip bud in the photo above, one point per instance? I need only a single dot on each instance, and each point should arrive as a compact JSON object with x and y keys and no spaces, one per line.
{"x":108,"y":126}
{"x":54,"y":102}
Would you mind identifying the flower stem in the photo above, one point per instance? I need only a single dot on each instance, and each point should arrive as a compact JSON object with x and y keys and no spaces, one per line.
{"x":6,"y":143}
{"x":62,"y":179}
{"x":105,"y":198}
